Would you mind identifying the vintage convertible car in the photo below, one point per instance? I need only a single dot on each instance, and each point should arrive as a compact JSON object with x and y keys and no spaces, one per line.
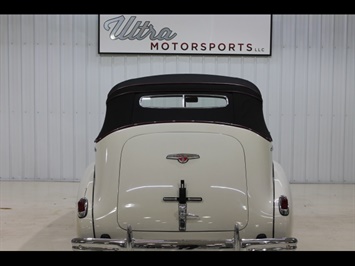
{"x":184,"y":162}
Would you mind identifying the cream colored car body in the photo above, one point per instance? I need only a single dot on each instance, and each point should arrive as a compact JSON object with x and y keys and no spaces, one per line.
{"x":225,"y":152}
{"x":184,"y":186}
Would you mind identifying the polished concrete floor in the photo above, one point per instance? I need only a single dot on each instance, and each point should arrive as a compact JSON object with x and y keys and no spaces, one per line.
{"x":39,"y":216}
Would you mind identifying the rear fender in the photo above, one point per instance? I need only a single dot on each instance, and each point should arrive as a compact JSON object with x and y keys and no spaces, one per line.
{"x":283,"y":223}
{"x":84,"y":226}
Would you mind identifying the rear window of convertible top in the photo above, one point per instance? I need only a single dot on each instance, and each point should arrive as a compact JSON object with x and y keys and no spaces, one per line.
{"x":183,"y":101}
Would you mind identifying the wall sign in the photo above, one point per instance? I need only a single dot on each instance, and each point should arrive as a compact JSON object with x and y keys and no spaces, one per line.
{"x":185,"y":34}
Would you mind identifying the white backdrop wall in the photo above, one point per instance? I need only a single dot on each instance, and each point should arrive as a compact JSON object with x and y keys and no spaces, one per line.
{"x":53,"y":88}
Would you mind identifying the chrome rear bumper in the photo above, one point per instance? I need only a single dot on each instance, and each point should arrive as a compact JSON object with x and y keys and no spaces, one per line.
{"x":234,"y":244}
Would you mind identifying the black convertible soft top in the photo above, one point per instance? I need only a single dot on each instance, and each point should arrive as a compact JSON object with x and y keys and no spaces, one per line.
{"x":244,"y":107}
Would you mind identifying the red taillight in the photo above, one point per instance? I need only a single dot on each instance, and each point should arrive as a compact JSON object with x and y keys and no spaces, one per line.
{"x":283,"y":205}
{"x":82,"y":207}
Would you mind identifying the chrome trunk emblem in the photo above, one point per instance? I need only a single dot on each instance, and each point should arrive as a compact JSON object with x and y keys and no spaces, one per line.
{"x":182,"y":157}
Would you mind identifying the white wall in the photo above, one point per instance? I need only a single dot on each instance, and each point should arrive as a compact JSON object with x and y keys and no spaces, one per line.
{"x":53,"y":87}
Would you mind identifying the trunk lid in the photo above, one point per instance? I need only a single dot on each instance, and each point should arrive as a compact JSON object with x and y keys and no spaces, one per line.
{"x":159,"y":169}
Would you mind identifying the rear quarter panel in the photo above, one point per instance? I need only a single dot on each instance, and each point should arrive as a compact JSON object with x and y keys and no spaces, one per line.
{"x":84,"y":226}
{"x":283,"y":224}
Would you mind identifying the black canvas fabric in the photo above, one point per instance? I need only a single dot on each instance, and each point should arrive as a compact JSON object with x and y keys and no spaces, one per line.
{"x":244,"y":108}
{"x":168,"y":81}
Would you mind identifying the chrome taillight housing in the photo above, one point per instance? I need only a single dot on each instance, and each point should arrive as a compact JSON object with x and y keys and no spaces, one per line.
{"x":83,"y":207}
{"x":283,"y":205}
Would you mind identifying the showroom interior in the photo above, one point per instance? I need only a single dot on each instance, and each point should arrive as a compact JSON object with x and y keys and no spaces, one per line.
{"x":55,"y":75}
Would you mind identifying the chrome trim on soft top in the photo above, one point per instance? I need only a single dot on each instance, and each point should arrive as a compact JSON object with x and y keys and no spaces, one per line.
{"x":233,"y":244}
